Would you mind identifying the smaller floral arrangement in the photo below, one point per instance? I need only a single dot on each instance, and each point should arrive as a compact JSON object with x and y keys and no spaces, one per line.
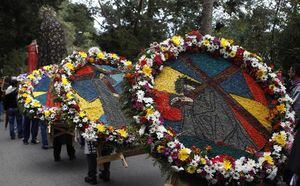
{"x":30,"y":105}
{"x":70,"y":109}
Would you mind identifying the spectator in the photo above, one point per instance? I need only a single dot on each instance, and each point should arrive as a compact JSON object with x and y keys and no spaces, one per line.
{"x":44,"y":127}
{"x":294,"y":158}
{"x":11,"y":107}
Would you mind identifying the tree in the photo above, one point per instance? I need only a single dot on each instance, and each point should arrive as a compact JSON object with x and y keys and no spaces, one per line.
{"x":207,"y":13}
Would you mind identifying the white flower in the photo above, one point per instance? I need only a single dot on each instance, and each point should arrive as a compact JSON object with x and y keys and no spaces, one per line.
{"x":177,"y":169}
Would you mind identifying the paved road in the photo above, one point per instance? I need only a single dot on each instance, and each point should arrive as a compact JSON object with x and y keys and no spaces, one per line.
{"x":29,"y":165}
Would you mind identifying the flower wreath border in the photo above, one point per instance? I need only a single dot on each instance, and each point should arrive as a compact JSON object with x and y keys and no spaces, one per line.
{"x":92,"y":130}
{"x":26,"y":100}
{"x":163,"y":141}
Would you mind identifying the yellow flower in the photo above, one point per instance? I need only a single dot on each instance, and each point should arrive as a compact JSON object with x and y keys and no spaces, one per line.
{"x":100,"y":55}
{"x":100,"y":127}
{"x":281,"y":108}
{"x":269,"y":159}
{"x":122,"y":132}
{"x":83,"y":54}
{"x":203,"y":161}
{"x":227,"y":164}
{"x":224,"y":43}
{"x":176,"y":40}
{"x":28,"y":100}
{"x":128,"y":63}
{"x":114,"y":56}
{"x":191,"y":169}
{"x":24,"y":95}
{"x":206,"y":42}
{"x":69,"y":95}
{"x":147,"y":70}
{"x":163,"y":49}
{"x":184,"y":154}
{"x":69,"y":66}
{"x":279,"y":138}
{"x":260,"y":73}
{"x":81,"y":114}
{"x":36,"y":104}
{"x":47,"y":113}
{"x":48,"y":67}
{"x":31,"y":76}
{"x":160,"y":148}
{"x":149,"y":111}
{"x":232,"y":53}
{"x":64,"y":81}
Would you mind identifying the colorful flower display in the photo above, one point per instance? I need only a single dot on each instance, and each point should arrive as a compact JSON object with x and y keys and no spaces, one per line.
{"x":92,"y":130}
{"x":165,"y":145}
{"x":27,"y":100}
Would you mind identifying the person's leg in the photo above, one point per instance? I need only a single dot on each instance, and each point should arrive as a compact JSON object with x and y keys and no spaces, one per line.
{"x":105,"y":173}
{"x":70,"y":147}
{"x":56,"y":149}
{"x":44,"y":136}
{"x":11,"y":121}
{"x":26,"y":129}
{"x":19,"y":119}
{"x":34,"y":130}
{"x":92,"y":169}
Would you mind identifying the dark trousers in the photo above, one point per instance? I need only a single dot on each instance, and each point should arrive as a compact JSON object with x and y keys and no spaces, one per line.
{"x":15,"y":115}
{"x":92,"y":163}
{"x":30,"y":126}
{"x":44,"y":136}
{"x":59,"y":141}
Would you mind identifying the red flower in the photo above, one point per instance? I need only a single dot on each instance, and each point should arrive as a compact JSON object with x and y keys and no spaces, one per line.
{"x":158,"y":60}
{"x":143,"y":62}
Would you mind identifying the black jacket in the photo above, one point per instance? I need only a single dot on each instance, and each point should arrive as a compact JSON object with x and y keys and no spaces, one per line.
{"x":10,"y":100}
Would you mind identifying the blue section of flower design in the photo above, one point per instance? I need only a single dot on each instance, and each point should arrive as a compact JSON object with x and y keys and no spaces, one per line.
{"x":43,"y":84}
{"x":180,"y":66}
{"x":236,"y":84}
{"x":209,"y":65}
{"x":42,"y":98}
{"x":86,"y":89}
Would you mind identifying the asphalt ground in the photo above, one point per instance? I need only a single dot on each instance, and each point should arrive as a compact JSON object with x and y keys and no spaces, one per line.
{"x":29,"y":165}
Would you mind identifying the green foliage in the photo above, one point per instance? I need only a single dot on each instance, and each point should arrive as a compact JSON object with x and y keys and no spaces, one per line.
{"x":19,"y":24}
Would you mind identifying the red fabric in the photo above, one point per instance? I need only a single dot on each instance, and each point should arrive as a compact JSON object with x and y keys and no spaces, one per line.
{"x":32,"y":58}
{"x":50,"y":100}
{"x":162,"y":100}
{"x":86,"y":70}
{"x":257,"y":92}
{"x":255,"y":135}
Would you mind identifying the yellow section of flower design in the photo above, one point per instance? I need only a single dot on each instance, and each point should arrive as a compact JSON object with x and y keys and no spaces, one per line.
{"x":165,"y":81}
{"x":258,"y":110}
{"x":36,"y":94}
{"x":93,"y":109}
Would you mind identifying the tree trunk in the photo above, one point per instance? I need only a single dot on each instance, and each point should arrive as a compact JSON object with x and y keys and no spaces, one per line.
{"x":206,"y":21}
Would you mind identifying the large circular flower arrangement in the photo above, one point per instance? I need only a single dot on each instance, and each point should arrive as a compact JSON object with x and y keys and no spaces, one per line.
{"x":165,"y":145}
{"x":92,"y":130}
{"x":30,"y":105}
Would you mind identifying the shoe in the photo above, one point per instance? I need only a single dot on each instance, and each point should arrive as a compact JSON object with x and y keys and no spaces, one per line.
{"x":35,"y":142}
{"x":71,"y":158}
{"x":25,"y":142}
{"x":45,"y":147}
{"x":105,"y":176}
{"x":90,"y":180}
{"x":20,"y":136}
{"x":12,"y":138}
{"x":57,"y":159}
